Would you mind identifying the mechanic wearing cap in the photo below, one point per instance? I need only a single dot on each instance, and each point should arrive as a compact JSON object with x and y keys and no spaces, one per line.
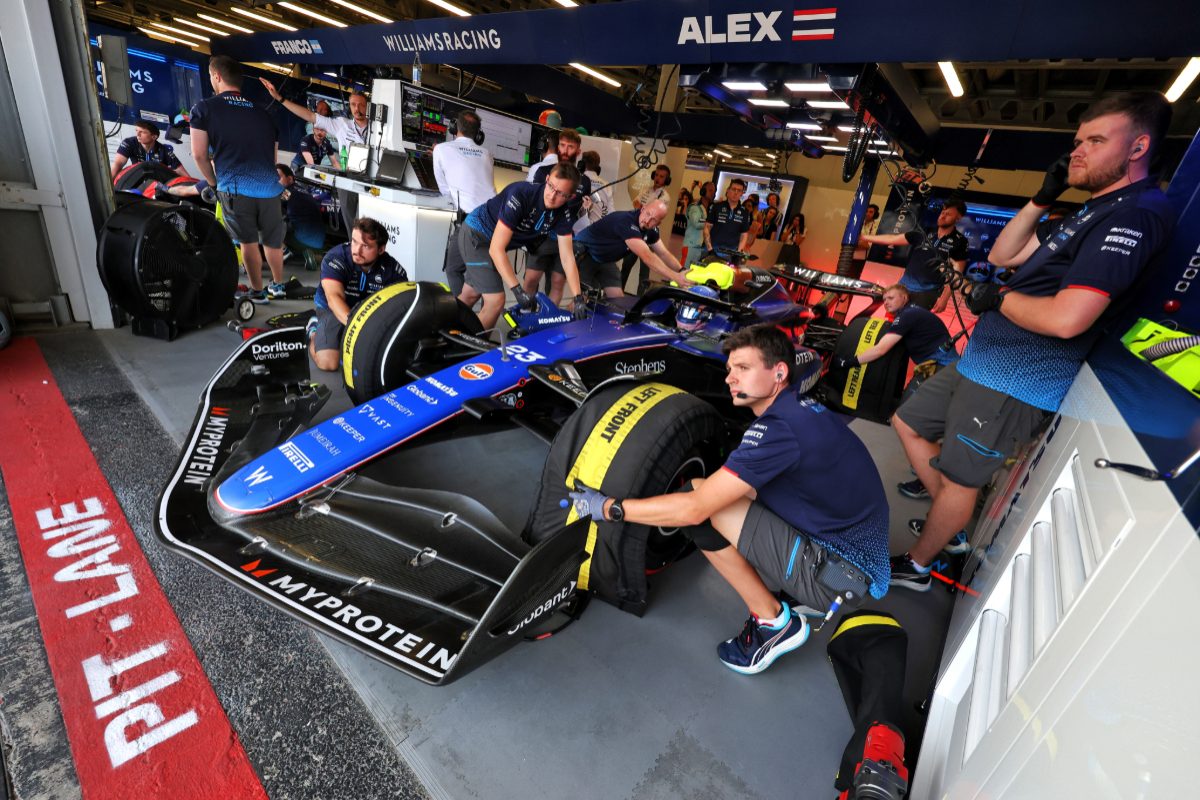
{"x":523,"y":213}
{"x":145,"y":146}
{"x":600,"y":246}
{"x":349,"y":272}
{"x":728,"y":226}
{"x":800,"y":492}
{"x":315,"y":148}
{"x":543,"y":255}
{"x":921,"y":277}
{"x":465,"y":170}
{"x":1034,"y":333}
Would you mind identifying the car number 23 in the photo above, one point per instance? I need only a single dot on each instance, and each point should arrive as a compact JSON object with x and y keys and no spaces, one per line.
{"x":524,"y":353}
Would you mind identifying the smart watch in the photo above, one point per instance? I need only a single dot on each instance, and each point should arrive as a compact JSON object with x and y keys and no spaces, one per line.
{"x":616,"y":512}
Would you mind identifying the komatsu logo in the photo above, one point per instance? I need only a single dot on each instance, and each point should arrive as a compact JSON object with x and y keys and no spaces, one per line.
{"x":730,"y":28}
{"x":289,"y":47}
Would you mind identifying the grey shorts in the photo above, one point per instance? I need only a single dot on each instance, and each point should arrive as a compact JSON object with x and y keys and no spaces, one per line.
{"x":980,"y":427}
{"x":254,"y":219}
{"x":543,"y":257}
{"x":328,"y":335}
{"x":479,"y":271}
{"x":598,"y":274}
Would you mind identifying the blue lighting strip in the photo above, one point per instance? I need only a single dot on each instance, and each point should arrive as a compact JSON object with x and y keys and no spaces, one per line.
{"x":990,"y":212}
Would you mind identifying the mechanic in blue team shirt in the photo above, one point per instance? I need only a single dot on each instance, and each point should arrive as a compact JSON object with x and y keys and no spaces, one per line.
{"x":349,"y":272}
{"x":924,"y":335}
{"x":145,"y":146}
{"x":523,"y":213}
{"x":305,"y":225}
{"x":315,"y":148}
{"x":543,"y":255}
{"x":243,"y":139}
{"x":728,"y":226}
{"x":920,"y":276}
{"x":799,"y":500}
{"x":600,"y":246}
{"x":1034,"y":333}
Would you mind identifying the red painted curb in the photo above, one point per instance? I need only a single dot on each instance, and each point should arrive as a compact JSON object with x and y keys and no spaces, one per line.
{"x":142,"y":719}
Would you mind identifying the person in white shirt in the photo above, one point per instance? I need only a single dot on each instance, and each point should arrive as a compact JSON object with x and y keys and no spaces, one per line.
{"x":549,"y":157}
{"x":464,"y":170}
{"x":657,"y":190}
{"x":347,"y":130}
{"x":602,"y":199}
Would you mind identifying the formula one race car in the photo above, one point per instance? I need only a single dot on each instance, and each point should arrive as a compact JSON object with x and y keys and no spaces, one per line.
{"x":631,"y":400}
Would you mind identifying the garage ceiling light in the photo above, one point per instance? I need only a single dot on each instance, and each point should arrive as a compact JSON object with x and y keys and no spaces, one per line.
{"x":567,"y":3}
{"x":220,"y":21}
{"x":181,"y":32}
{"x":837,"y":148}
{"x":276,"y":67}
{"x":198,"y":26}
{"x":453,"y":9}
{"x":308,"y":12}
{"x":763,"y":101}
{"x":952,"y":81}
{"x":846,"y":128}
{"x":263,"y":18}
{"x":755,"y":163}
{"x":744,"y":86}
{"x":600,"y":76}
{"x":815,"y":86}
{"x":166,"y":37}
{"x":361,"y":10}
{"x":722,"y":153}
{"x":813,"y":138}
{"x":833,"y":104}
{"x":804,"y":126}
{"x":1184,"y":79}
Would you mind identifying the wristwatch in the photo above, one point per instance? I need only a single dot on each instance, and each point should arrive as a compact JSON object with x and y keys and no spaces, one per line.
{"x":616,"y":512}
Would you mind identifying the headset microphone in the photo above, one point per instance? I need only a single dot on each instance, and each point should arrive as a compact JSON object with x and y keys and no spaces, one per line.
{"x":744,"y":396}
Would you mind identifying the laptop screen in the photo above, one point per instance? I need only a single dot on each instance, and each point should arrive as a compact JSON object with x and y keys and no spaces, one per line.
{"x":356,"y":159}
{"x":391,"y":166}
{"x":422,"y":164}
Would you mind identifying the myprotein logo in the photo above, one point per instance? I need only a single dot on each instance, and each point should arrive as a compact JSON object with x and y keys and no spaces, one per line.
{"x":293,"y":47}
{"x":641,"y":365}
{"x":475,"y":372}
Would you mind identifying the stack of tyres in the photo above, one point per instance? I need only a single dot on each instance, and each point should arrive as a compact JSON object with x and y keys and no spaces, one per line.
{"x":871,"y":391}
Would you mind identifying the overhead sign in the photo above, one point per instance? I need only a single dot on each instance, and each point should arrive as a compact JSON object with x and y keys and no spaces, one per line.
{"x":698,"y":32}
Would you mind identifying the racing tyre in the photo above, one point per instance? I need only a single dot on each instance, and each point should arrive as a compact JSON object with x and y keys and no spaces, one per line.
{"x":630,"y":439}
{"x":873,"y":390}
{"x":384,"y":329}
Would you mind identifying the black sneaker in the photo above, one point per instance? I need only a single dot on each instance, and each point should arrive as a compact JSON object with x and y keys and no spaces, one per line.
{"x":258,"y":297}
{"x":914,"y":489}
{"x":906,"y":575}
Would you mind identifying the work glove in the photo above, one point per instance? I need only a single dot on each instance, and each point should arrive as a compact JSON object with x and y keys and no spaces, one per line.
{"x":588,"y":502}
{"x":207,"y":194}
{"x":846,"y":362}
{"x":523,"y":299}
{"x":578,"y":307}
{"x":984,"y":297}
{"x":1055,"y":182}
{"x":915,"y":238}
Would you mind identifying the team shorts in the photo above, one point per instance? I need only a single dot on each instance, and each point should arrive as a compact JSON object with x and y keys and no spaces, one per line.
{"x":543,"y":256}
{"x":254,"y":219}
{"x":594,"y":273}
{"x":479,"y":271}
{"x":328,"y":335}
{"x":980,"y":427}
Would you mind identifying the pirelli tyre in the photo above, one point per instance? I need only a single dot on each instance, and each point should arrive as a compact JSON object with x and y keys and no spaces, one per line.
{"x":630,"y":439}
{"x":871,"y":391}
{"x":384,"y":329}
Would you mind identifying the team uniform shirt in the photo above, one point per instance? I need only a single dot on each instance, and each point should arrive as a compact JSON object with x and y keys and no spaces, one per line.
{"x":728,"y":225}
{"x":344,"y":129}
{"x":549,"y":160}
{"x":164,"y":154}
{"x":810,"y":469}
{"x":605,"y":240}
{"x":242,"y":137}
{"x":318,"y":150}
{"x":650,"y":194}
{"x":919,"y":273}
{"x":304,"y":215}
{"x":339,"y":266}
{"x":465,"y":173}
{"x":1102,"y":248}
{"x":521,"y":206}
{"x":924,"y":334}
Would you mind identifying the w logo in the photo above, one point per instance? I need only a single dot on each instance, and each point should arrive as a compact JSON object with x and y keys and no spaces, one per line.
{"x":259,"y":475}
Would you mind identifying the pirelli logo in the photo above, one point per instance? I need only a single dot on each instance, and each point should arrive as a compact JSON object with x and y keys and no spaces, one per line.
{"x":868,"y":338}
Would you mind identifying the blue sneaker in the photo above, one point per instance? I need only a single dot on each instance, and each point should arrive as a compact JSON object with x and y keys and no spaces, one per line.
{"x":956,"y":547}
{"x":258,"y":297}
{"x":913,"y":489}
{"x":310,"y":328}
{"x":758,"y":646}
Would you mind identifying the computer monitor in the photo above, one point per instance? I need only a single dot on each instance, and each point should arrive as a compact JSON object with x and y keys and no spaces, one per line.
{"x":391,"y":166}
{"x":356,"y":159}
{"x":422,"y":164}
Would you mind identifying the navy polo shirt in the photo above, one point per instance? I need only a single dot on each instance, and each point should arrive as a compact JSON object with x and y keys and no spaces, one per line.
{"x":810,"y":469}
{"x":924,"y":334}
{"x":521,"y":206}
{"x":304,"y":216}
{"x":728,"y":225}
{"x":339,"y":266}
{"x":164,"y":154}
{"x":242,"y":137}
{"x":1102,"y":248}
{"x":604,"y":240}
{"x":318,"y":150}
{"x":919,"y":273}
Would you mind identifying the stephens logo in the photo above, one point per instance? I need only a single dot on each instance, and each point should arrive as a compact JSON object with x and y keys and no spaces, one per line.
{"x":475,"y":372}
{"x":641,"y":365}
{"x":288,"y":47}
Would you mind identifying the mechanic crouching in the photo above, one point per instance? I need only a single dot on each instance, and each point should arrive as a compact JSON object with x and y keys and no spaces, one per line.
{"x":349,"y":272}
{"x":799,"y":499}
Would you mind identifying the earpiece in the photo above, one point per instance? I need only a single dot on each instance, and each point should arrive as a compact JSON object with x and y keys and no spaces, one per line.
{"x":778,"y":376}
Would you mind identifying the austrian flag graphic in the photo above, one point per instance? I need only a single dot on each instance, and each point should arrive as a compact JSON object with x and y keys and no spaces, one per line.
{"x":813,"y":23}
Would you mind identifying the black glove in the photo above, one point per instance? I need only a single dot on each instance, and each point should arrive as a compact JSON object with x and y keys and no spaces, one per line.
{"x":984,"y":297}
{"x":1055,"y":182}
{"x":915,"y":238}
{"x":578,"y":307}
{"x":958,"y":250}
{"x":523,"y":299}
{"x":846,"y":362}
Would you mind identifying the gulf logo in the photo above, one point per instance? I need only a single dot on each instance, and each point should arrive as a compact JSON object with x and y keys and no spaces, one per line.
{"x":475,"y":372}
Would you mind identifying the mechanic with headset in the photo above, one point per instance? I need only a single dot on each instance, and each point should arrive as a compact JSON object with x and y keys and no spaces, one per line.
{"x":349,"y":272}
{"x":799,"y":499}
{"x":600,"y":246}
{"x":1034,"y":333}
{"x":145,"y":146}
{"x":728,"y":226}
{"x":660,"y":179}
{"x":920,"y":274}
{"x":602,"y":198}
{"x":315,"y":148}
{"x":544,"y":254}
{"x":464,"y":168}
{"x":522,"y":214}
{"x":549,"y":154}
